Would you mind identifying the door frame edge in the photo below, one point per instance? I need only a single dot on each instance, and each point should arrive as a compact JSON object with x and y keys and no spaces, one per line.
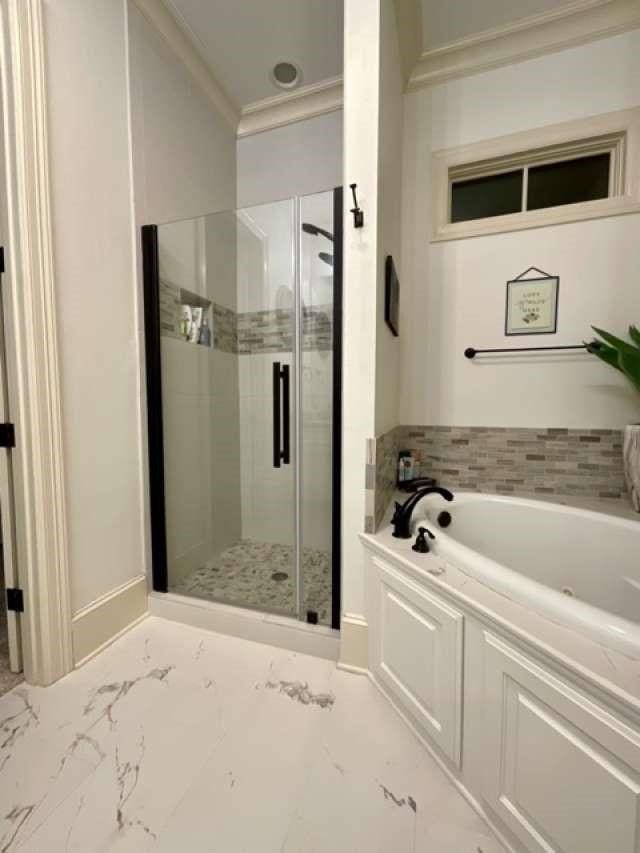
{"x":35,"y":386}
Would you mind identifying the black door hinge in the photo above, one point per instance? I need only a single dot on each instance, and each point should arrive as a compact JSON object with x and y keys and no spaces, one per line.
{"x":7,"y":435}
{"x":15,"y":600}
{"x":1,"y":258}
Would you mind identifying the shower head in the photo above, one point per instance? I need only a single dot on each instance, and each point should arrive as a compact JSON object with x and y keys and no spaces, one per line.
{"x":315,"y":230}
{"x":326,"y":257}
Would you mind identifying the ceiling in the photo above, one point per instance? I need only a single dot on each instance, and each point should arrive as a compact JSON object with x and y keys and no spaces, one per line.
{"x":243,"y":40}
{"x":444,"y":21}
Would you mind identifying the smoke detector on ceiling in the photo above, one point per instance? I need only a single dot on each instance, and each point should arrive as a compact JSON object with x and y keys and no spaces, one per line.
{"x":286,"y":75}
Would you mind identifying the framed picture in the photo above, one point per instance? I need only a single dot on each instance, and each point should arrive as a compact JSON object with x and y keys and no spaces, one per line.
{"x":391,"y":296}
{"x":532,"y":306}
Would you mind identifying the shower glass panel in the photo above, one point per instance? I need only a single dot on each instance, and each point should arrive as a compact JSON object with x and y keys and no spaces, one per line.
{"x":316,"y":401}
{"x":230,"y":516}
{"x":239,"y":312}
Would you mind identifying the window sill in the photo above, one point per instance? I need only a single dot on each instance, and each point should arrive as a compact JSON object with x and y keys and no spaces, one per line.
{"x":537,"y":218}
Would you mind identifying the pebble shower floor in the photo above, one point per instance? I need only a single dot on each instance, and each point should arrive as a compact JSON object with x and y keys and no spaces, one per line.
{"x":250,"y":574}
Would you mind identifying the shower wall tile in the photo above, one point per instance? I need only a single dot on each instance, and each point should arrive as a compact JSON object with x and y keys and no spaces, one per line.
{"x":265,"y":331}
{"x":386,"y":472}
{"x":225,"y":329}
{"x":562,"y":462}
{"x":169,"y":309}
{"x":252,"y":332}
{"x":272,"y":331}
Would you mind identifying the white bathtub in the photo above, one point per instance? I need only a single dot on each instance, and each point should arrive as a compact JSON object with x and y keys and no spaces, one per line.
{"x":576,"y":567}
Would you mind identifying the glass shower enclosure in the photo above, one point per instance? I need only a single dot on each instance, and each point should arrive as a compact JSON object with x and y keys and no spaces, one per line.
{"x":243,"y":346}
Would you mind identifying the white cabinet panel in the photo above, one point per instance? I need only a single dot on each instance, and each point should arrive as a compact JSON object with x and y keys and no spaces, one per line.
{"x":561,"y":771}
{"x":417,"y":655}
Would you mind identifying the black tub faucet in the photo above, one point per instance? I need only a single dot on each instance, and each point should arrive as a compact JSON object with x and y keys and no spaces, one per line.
{"x":402,"y":517}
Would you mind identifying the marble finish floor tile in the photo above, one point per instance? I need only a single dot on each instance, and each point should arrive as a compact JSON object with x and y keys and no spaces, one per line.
{"x":179,"y":739}
{"x":261,"y":575}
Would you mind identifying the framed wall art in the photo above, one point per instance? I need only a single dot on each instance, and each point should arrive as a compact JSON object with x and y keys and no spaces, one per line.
{"x":532,"y":304}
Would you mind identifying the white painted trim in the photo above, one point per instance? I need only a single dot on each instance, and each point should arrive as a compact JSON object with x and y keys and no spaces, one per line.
{"x":529,"y":142}
{"x":409,"y":27}
{"x":316,"y":99}
{"x":557,"y":29}
{"x":251,"y":625}
{"x":355,"y":670}
{"x":104,"y":620}
{"x":163,"y":15}
{"x":41,"y":525}
{"x":354,"y":642}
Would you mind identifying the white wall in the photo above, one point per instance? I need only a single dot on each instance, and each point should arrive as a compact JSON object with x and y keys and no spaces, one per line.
{"x":96,"y":291}
{"x":361,"y":105}
{"x":390,"y":212}
{"x":184,"y":151}
{"x":452,"y":294}
{"x":298,"y":159}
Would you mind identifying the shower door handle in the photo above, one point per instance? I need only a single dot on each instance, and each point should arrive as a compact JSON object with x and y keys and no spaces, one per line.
{"x":286,"y":414}
{"x":281,"y":414}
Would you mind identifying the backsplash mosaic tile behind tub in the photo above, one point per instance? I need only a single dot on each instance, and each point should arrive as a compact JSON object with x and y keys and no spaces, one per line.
{"x":502,"y":460}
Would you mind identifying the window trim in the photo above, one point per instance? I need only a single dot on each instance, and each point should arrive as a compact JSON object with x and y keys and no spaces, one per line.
{"x":618,"y":133}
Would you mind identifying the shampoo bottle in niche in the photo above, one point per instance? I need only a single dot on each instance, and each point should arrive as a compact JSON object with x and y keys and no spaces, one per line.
{"x":196,"y":323}
{"x":185,"y":322}
{"x":205,"y":333}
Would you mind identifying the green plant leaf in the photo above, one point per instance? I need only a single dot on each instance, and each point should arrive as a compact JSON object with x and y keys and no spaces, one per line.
{"x":617,"y":343}
{"x":605,"y":353}
{"x":634,"y":334}
{"x":630,"y":366}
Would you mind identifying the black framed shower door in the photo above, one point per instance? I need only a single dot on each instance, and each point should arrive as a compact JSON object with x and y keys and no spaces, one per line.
{"x":154,"y":293}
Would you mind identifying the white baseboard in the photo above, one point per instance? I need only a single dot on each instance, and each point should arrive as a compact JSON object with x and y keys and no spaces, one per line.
{"x":100,"y":623}
{"x":354,"y":655}
{"x":355,"y":670}
{"x":251,"y":625}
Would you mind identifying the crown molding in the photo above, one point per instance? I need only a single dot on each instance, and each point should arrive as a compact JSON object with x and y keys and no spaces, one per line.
{"x":316,"y":99}
{"x":177,"y":34}
{"x":569,"y":26}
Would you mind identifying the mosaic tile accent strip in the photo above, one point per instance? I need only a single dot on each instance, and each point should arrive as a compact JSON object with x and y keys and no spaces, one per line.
{"x":252,"y":332}
{"x":225,"y":329}
{"x":249,"y":574}
{"x":317,"y":328}
{"x":585,"y":462}
{"x":169,"y":309}
{"x":272,"y":331}
{"x":387,"y":449}
{"x":265,"y":331}
{"x":563,"y":462}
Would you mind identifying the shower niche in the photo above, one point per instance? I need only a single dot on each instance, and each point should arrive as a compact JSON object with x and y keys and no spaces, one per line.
{"x":244,"y":418}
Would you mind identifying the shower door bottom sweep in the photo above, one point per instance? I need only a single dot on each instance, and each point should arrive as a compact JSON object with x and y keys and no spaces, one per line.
{"x":243,"y":345}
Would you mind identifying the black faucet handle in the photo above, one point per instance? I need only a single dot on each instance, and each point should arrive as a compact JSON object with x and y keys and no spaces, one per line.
{"x":421,"y":544}
{"x":396,"y":514}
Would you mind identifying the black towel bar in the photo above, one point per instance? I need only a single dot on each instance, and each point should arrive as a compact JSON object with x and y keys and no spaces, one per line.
{"x":471,"y":352}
